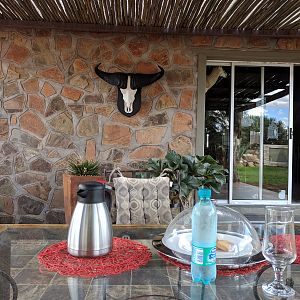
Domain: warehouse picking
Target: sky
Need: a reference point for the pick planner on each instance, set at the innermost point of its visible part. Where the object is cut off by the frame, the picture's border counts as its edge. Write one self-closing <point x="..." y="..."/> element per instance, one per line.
<point x="278" y="109"/>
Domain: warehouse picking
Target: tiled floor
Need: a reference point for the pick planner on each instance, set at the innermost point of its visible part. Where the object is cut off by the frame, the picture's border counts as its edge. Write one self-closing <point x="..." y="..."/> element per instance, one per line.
<point x="156" y="280"/>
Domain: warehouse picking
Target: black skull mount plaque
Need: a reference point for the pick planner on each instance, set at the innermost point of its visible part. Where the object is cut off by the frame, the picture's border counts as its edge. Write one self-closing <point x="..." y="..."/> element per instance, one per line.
<point x="129" y="88"/>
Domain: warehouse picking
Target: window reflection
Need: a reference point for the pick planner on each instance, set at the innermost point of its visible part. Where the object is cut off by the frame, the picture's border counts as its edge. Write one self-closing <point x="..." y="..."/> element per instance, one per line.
<point x="217" y="118"/>
<point x="246" y="144"/>
<point x="276" y="120"/>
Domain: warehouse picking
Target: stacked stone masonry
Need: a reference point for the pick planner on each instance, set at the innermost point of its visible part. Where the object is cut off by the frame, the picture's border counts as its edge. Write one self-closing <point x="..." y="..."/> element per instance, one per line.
<point x="54" y="108"/>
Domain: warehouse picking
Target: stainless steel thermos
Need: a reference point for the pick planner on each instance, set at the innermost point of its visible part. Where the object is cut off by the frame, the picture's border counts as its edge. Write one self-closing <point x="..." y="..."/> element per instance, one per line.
<point x="90" y="231"/>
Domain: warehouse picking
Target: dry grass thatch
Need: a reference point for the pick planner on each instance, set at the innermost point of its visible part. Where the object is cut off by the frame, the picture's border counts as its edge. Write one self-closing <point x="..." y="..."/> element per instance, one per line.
<point x="264" y="17"/>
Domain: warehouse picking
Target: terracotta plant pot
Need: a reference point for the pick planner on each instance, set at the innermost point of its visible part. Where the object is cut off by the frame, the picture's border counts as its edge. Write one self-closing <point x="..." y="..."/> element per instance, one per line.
<point x="70" y="184"/>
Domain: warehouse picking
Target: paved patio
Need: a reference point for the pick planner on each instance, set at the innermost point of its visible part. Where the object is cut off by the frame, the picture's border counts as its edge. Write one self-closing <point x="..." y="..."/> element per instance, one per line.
<point x="244" y="191"/>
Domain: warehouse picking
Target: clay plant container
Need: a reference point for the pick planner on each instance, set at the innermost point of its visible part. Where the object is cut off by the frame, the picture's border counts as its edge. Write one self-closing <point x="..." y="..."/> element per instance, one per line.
<point x="78" y="172"/>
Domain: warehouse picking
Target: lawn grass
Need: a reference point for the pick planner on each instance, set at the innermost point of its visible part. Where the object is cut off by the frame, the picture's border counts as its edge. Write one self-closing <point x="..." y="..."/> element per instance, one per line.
<point x="274" y="178"/>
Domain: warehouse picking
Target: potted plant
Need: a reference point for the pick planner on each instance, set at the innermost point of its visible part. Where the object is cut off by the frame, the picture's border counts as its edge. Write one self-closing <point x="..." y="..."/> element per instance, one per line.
<point x="78" y="171"/>
<point x="188" y="173"/>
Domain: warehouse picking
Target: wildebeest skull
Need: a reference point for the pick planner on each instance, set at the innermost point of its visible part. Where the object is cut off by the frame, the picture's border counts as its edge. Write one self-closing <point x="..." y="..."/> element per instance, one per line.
<point x="129" y="88"/>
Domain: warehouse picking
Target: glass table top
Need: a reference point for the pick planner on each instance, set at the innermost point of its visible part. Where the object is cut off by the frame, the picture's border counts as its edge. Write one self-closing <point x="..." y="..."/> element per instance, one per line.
<point x="20" y="244"/>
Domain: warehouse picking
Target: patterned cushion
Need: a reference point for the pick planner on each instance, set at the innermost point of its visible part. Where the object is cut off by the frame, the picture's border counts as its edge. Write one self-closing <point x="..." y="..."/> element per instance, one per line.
<point x="142" y="201"/>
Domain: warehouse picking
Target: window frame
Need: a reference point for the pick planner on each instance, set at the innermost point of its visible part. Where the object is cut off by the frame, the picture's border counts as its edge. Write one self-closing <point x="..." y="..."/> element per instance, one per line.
<point x="263" y="61"/>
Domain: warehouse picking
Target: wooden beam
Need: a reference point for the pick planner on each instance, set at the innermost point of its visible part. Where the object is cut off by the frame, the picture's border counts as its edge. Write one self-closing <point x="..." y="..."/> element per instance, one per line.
<point x="258" y="56"/>
<point x="146" y="29"/>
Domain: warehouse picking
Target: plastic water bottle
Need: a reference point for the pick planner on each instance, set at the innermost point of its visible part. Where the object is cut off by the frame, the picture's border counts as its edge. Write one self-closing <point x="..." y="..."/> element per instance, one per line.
<point x="204" y="239"/>
<point x="205" y="292"/>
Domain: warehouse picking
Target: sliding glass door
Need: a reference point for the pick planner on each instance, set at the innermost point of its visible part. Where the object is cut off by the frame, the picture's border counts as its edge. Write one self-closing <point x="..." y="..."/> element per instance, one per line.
<point x="217" y="118"/>
<point x="248" y="130"/>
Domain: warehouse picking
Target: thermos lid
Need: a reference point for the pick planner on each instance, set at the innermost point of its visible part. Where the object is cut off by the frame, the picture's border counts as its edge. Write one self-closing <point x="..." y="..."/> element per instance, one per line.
<point x="91" y="185"/>
<point x="91" y="192"/>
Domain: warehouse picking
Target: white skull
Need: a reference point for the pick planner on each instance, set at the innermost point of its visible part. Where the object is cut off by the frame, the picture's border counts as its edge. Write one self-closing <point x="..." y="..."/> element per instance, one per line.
<point x="128" y="96"/>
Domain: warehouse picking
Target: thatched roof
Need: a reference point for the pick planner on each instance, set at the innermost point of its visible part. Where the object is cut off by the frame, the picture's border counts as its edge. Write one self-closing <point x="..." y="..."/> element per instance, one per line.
<point x="214" y="17"/>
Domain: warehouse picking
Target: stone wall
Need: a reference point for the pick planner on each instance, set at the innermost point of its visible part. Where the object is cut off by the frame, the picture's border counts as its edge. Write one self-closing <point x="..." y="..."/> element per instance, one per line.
<point x="54" y="107"/>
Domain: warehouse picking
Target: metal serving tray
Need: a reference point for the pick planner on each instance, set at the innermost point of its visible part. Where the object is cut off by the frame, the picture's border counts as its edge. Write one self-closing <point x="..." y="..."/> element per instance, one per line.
<point x="231" y="263"/>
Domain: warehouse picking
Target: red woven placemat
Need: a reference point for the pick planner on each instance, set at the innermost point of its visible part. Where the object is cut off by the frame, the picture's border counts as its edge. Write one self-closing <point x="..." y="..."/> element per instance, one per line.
<point x="126" y="255"/>
<point x="239" y="271"/>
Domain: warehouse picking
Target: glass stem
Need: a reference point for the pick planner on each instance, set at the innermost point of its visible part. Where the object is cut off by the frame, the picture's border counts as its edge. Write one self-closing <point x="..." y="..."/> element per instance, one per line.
<point x="278" y="270"/>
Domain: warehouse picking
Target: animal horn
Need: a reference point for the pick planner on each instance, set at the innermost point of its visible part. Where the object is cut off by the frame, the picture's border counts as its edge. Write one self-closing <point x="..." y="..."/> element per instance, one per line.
<point x="111" y="78"/>
<point x="141" y="80"/>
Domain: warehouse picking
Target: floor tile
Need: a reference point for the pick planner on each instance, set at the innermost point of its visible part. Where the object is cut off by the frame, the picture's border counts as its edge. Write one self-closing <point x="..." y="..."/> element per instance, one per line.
<point x="27" y="248"/>
<point x="96" y="292"/>
<point x="154" y="264"/>
<point x="33" y="276"/>
<point x="32" y="292"/>
<point x="64" y="292"/>
<point x="150" y="277"/>
<point x="19" y="261"/>
<point x="147" y="291"/>
<point x="15" y="271"/>
<point x="196" y="291"/>
<point x="225" y="281"/>
<point x="121" y="279"/>
<point x="179" y="275"/>
<point x="68" y="280"/>
<point x="241" y="292"/>
<point x="117" y="292"/>
<point x="33" y="263"/>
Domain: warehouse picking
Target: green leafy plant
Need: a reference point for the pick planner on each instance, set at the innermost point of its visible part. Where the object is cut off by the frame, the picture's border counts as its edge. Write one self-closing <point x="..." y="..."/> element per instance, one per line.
<point x="189" y="172"/>
<point x="84" y="168"/>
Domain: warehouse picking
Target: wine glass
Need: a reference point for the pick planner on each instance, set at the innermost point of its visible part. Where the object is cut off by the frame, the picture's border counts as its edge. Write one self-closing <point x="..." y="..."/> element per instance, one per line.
<point x="279" y="247"/>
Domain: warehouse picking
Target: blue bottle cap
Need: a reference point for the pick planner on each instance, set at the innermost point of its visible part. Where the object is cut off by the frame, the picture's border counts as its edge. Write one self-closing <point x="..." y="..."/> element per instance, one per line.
<point x="204" y="193"/>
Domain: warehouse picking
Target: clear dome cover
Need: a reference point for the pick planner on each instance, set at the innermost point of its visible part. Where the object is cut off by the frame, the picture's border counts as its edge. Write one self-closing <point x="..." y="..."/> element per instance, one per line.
<point x="237" y="240"/>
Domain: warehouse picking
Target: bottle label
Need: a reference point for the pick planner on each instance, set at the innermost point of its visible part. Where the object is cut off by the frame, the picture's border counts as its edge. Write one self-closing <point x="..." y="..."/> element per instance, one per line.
<point x="204" y="256"/>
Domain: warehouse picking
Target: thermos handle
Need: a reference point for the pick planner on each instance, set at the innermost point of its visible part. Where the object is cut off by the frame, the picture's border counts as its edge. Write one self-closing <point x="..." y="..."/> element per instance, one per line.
<point x="107" y="196"/>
